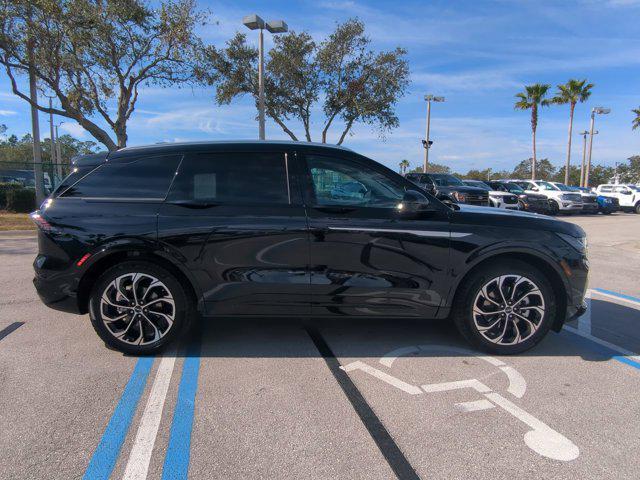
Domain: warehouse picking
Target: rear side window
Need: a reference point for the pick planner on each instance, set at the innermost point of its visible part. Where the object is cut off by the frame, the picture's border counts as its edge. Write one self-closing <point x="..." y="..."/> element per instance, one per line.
<point x="232" y="178"/>
<point x="142" y="178"/>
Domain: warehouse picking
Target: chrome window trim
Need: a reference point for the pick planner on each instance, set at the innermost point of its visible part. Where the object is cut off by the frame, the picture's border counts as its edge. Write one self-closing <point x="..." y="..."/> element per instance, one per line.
<point x="419" y="233"/>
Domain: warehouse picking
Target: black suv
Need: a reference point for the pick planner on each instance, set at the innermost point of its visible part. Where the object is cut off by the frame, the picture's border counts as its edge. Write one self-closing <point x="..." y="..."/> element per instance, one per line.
<point x="146" y="238"/>
<point x="449" y="188"/>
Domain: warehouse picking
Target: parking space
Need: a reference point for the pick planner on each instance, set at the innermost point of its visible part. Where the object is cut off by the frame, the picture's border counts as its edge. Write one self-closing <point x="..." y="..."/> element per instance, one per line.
<point x="334" y="399"/>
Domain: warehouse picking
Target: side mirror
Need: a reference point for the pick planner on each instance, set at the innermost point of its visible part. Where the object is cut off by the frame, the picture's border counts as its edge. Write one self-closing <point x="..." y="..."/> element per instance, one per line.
<point x="413" y="202"/>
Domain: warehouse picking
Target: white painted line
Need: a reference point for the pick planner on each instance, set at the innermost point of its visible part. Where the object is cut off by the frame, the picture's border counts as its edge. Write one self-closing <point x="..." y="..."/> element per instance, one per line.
<point x="627" y="353"/>
<point x="584" y="321"/>
<point x="388" y="359"/>
<point x="474" y="406"/>
<point x="443" y="387"/>
<point x="380" y="375"/>
<point x="140" y="456"/>
<point x="517" y="383"/>
<point x="541" y="438"/>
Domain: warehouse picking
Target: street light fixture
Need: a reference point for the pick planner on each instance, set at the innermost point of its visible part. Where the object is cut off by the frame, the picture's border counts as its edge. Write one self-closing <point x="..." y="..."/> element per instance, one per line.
<point x="584" y="134"/>
<point x="427" y="143"/>
<point x="254" y="22"/>
<point x="594" y="111"/>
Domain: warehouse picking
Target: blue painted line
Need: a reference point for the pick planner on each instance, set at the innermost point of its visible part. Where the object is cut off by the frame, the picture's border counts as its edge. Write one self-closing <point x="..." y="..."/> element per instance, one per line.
<point x="176" y="462"/>
<point x="619" y="295"/>
<point x="601" y="349"/>
<point x="106" y="454"/>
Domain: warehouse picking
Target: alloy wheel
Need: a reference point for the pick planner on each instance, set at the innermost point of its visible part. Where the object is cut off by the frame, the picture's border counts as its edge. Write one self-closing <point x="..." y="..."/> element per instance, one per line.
<point x="508" y="309"/>
<point x="137" y="308"/>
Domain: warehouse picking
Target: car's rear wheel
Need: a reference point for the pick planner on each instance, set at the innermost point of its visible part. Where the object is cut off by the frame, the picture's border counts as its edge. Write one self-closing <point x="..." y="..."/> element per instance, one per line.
<point x="139" y="307"/>
<point x="505" y="308"/>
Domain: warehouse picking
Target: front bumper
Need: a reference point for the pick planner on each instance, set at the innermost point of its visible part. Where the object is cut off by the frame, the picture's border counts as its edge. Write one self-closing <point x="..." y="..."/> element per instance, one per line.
<point x="569" y="206"/>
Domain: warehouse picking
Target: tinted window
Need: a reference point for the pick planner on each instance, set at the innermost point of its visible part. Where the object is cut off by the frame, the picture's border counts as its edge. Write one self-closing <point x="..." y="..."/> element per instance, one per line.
<point x="446" y="180"/>
<point x="76" y="174"/>
<point x="342" y="182"/>
<point x="136" y="178"/>
<point x="606" y="189"/>
<point x="232" y="178"/>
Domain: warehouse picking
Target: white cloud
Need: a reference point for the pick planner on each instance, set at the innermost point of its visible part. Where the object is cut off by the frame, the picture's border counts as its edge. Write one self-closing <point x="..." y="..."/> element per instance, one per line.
<point x="74" y="129"/>
<point x="6" y="113"/>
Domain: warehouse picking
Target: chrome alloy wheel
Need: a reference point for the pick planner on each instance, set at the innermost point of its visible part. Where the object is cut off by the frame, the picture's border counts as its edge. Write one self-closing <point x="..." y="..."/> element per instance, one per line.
<point x="137" y="308"/>
<point x="508" y="309"/>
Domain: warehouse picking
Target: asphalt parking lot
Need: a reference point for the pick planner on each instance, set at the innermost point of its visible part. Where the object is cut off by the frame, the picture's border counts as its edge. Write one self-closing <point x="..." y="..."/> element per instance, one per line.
<point x="340" y="399"/>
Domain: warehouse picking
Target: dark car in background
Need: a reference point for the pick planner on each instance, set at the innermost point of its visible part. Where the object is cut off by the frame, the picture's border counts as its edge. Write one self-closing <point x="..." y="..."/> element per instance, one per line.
<point x="497" y="198"/>
<point x="151" y="236"/>
<point x="449" y="188"/>
<point x="529" y="202"/>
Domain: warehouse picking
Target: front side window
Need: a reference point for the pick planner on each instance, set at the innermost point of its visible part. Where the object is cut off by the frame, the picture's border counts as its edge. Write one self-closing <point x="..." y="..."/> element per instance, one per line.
<point x="137" y="178"/>
<point x="232" y="179"/>
<point x="342" y="182"/>
<point x="547" y="186"/>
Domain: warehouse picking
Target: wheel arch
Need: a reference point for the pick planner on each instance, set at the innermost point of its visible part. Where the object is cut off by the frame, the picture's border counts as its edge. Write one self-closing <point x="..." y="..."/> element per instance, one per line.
<point x="108" y="259"/>
<point x="545" y="265"/>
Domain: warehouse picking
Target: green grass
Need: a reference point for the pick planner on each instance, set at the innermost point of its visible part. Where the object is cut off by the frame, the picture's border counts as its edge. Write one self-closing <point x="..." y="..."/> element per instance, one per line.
<point x="15" y="221"/>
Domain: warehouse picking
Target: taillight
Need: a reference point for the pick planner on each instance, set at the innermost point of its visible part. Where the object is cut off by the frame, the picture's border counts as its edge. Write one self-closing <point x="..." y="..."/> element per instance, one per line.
<point x="40" y="221"/>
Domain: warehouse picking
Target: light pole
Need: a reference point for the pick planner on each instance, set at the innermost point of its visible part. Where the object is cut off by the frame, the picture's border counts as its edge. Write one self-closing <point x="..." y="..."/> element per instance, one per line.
<point x="254" y="22"/>
<point x="54" y="152"/>
<point x="58" y="152"/>
<point x="426" y="143"/>
<point x="584" y="154"/>
<point x="599" y="111"/>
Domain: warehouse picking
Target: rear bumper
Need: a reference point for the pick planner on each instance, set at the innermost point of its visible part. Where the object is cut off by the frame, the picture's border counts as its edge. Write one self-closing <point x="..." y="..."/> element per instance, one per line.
<point x="56" y="290"/>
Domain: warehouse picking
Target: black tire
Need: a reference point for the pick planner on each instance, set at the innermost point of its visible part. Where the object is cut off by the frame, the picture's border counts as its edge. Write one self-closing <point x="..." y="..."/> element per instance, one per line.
<point x="182" y="310"/>
<point x="554" y="208"/>
<point x="462" y="312"/>
<point x="637" y="208"/>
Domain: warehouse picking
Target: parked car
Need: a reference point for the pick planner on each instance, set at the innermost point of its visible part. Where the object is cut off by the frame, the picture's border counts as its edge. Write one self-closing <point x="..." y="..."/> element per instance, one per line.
<point x="153" y="235"/>
<point x="26" y="178"/>
<point x="606" y="204"/>
<point x="497" y="198"/>
<point x="447" y="187"/>
<point x="559" y="201"/>
<point x="589" y="199"/>
<point x="628" y="195"/>
<point x="531" y="202"/>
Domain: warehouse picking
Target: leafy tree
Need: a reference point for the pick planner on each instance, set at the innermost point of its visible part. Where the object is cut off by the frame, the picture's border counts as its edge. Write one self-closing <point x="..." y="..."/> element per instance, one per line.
<point x="475" y="174"/>
<point x="531" y="99"/>
<point x="348" y="80"/>
<point x="545" y="169"/>
<point x="630" y="172"/>
<point x="574" y="175"/>
<point x="432" y="168"/>
<point x="571" y="93"/>
<point x="89" y="53"/>
<point x="404" y="164"/>
<point x="600" y="174"/>
<point x="3" y="128"/>
<point x="18" y="153"/>
<point x="636" y="121"/>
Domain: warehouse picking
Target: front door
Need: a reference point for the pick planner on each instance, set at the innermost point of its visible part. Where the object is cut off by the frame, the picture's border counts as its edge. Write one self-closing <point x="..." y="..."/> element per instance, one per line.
<point x="367" y="259"/>
<point x="237" y="223"/>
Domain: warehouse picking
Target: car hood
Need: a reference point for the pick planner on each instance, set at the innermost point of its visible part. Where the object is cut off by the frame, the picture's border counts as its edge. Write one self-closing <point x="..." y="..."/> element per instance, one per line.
<point x="498" y="217"/>
<point x="462" y="189"/>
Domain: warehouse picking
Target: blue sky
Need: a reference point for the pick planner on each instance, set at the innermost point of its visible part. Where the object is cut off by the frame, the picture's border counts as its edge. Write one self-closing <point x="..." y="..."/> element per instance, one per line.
<point x="476" y="53"/>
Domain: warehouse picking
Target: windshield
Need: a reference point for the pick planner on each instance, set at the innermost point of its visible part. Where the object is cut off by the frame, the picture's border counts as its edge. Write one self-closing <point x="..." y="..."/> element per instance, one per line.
<point x="563" y="187"/>
<point x="478" y="183"/>
<point x="445" y="180"/>
<point x="513" y="188"/>
<point x="547" y="186"/>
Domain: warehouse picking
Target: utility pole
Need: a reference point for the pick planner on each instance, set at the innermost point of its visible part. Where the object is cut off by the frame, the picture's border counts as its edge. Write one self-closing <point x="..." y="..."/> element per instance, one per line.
<point x="54" y="151"/>
<point x="35" y="127"/>
<point x="584" y="154"/>
<point x="254" y="22"/>
<point x="58" y="151"/>
<point x="427" y="144"/>
<point x="594" y="111"/>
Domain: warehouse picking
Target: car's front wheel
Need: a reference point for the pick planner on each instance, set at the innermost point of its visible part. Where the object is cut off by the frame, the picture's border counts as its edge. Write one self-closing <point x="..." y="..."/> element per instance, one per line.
<point x="505" y="308"/>
<point x="138" y="307"/>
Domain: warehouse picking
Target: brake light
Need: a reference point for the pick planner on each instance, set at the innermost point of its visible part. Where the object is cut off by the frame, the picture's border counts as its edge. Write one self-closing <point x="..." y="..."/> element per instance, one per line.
<point x="41" y="222"/>
<point x="83" y="259"/>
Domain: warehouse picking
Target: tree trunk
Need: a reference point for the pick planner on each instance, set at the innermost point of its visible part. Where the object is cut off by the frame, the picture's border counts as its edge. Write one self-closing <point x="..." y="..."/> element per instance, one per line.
<point x="566" y="168"/>
<point x="533" y="160"/>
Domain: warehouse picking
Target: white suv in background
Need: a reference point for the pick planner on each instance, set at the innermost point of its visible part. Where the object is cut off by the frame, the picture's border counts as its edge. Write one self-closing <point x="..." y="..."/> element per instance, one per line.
<point x="627" y="195"/>
<point x="559" y="201"/>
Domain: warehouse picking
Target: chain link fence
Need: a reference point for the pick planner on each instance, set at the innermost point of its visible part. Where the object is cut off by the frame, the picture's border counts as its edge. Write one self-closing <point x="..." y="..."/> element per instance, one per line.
<point x="18" y="183"/>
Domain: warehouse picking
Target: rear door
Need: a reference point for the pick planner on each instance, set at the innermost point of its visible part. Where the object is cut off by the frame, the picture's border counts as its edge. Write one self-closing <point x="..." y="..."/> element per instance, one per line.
<point x="366" y="259"/>
<point x="236" y="221"/>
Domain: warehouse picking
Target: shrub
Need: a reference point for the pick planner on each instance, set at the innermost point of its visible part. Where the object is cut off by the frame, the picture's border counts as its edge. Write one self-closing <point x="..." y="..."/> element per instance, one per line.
<point x="4" y="188"/>
<point x="21" y="200"/>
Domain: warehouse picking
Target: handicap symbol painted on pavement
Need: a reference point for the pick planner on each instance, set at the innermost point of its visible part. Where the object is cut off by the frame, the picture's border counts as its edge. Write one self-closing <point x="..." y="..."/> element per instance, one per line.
<point x="541" y="438"/>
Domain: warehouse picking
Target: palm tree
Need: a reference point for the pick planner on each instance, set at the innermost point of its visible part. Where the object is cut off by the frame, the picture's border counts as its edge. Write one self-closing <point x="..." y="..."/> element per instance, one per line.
<point x="636" y="121"/>
<point x="531" y="98"/>
<point x="572" y="92"/>
<point x="404" y="164"/>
